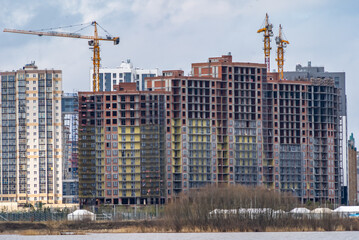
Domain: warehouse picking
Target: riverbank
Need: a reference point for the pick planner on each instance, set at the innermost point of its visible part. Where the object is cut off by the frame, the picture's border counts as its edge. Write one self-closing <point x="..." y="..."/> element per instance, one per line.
<point x="78" y="227"/>
<point x="161" y="226"/>
<point x="74" y="227"/>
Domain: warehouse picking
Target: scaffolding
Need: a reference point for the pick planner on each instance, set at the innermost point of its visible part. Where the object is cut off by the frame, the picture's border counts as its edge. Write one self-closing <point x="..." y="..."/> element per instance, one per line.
<point x="152" y="151"/>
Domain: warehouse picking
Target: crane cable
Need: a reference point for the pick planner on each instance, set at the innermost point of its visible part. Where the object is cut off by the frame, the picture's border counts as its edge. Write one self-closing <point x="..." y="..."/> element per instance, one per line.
<point x="68" y="26"/>
<point x="86" y="25"/>
<point x="104" y="30"/>
<point x="82" y="28"/>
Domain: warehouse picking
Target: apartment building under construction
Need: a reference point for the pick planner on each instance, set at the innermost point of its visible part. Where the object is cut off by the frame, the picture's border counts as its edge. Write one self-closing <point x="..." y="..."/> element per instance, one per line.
<point x="121" y="146"/>
<point x="212" y="125"/>
<point x="303" y="137"/>
<point x="191" y="139"/>
<point x="228" y="123"/>
<point x="232" y="123"/>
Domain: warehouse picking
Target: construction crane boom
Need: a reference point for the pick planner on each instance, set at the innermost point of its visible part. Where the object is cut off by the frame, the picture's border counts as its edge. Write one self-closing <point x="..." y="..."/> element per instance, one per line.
<point x="94" y="43"/>
<point x="60" y="34"/>
<point x="281" y="44"/>
<point x="267" y="33"/>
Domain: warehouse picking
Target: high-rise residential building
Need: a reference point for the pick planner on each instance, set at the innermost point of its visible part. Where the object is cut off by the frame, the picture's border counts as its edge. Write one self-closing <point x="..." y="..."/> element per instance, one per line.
<point x="70" y="117"/>
<point x="121" y="146"/>
<point x="125" y="73"/>
<point x="352" y="173"/>
<point x="231" y="123"/>
<point x="212" y="124"/>
<point x="194" y="151"/>
<point x="237" y="111"/>
<point x="31" y="135"/>
<point x="228" y="123"/>
<point x="303" y="136"/>
<point x="309" y="71"/>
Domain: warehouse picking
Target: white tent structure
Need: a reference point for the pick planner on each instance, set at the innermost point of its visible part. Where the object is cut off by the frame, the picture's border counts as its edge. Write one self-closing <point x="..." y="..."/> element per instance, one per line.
<point x="322" y="210"/>
<point x="347" y="209"/>
<point x="300" y="210"/>
<point x="250" y="212"/>
<point x="80" y="215"/>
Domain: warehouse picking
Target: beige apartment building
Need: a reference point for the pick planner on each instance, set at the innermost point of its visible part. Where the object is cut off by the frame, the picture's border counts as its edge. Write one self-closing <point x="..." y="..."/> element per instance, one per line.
<point x="31" y="136"/>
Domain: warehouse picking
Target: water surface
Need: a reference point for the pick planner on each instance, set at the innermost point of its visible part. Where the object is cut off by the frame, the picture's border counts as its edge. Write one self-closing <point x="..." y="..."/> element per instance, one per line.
<point x="197" y="236"/>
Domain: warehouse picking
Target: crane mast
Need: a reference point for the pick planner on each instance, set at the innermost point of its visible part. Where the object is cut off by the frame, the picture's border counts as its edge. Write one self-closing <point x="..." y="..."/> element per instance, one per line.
<point x="281" y="44"/>
<point x="94" y="42"/>
<point x="267" y="33"/>
<point x="96" y="61"/>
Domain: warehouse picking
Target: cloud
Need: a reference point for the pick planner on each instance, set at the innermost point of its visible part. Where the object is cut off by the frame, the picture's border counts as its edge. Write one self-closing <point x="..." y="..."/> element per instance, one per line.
<point x="16" y="14"/>
<point x="171" y="34"/>
<point x="91" y="10"/>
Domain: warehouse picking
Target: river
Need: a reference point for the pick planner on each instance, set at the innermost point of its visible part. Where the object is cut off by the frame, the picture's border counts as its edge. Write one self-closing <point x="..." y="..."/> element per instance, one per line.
<point x="197" y="236"/>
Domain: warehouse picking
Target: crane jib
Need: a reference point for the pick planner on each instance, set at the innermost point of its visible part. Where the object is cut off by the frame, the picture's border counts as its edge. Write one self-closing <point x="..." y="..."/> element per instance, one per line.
<point x="94" y="41"/>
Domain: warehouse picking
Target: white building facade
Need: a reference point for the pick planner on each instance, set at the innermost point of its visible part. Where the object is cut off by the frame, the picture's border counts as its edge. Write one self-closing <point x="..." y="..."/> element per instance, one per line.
<point x="124" y="73"/>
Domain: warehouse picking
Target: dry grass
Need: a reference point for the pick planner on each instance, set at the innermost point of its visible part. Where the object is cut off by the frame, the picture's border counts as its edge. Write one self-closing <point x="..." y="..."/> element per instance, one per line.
<point x="190" y="213"/>
<point x="297" y="225"/>
<point x="31" y="232"/>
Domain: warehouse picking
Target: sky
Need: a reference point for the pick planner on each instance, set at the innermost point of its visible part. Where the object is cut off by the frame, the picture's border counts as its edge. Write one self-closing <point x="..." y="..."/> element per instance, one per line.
<point x="172" y="34"/>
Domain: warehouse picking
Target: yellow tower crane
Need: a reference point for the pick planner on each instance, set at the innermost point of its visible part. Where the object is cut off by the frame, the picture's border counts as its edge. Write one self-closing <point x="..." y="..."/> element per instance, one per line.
<point x="94" y="43"/>
<point x="281" y="44"/>
<point x="267" y="33"/>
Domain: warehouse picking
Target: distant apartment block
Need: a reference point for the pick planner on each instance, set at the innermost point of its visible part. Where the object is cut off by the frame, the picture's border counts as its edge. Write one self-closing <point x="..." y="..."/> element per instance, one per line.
<point x="357" y="175"/>
<point x="352" y="173"/>
<point x="121" y="146"/>
<point x="125" y="73"/>
<point x="70" y="117"/>
<point x="31" y="135"/>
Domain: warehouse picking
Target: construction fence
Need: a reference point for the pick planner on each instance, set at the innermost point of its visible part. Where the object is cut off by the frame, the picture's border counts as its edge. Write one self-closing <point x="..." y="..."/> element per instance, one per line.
<point x="103" y="213"/>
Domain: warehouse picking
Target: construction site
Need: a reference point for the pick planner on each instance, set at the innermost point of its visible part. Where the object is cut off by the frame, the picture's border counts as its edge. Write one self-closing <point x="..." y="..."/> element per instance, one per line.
<point x="121" y="146"/>
<point x="227" y="123"/>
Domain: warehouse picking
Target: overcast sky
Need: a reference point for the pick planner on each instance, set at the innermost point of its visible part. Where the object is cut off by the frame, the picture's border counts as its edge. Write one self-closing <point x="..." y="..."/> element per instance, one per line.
<point x="171" y="34"/>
